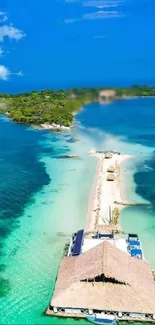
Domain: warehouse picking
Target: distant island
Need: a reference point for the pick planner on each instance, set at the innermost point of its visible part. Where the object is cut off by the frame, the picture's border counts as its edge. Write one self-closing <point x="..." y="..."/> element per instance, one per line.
<point x="55" y="109"/>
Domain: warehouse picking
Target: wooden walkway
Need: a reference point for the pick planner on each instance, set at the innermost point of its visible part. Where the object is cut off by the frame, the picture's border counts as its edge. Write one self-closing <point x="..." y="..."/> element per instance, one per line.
<point x="128" y="203"/>
<point x="84" y="316"/>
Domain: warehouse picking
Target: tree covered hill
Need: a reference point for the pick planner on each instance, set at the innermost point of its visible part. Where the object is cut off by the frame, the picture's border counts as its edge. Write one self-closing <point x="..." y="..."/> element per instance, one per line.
<point x="41" y="107"/>
<point x="50" y="106"/>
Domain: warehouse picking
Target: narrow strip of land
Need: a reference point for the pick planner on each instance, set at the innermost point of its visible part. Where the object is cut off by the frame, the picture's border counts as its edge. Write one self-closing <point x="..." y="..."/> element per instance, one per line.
<point x="105" y="199"/>
<point x="98" y="279"/>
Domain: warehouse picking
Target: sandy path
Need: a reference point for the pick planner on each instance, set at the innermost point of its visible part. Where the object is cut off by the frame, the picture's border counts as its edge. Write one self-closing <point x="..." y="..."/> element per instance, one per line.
<point x="104" y="193"/>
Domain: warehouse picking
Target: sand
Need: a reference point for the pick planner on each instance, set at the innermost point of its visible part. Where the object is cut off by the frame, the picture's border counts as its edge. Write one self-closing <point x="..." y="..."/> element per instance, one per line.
<point x="104" y="193"/>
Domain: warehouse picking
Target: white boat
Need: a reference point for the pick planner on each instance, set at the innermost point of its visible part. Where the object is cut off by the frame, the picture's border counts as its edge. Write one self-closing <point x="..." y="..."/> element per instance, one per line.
<point x="102" y="319"/>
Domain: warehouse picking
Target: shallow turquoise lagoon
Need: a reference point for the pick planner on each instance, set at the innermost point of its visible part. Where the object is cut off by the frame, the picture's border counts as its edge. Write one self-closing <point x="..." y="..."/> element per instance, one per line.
<point x="44" y="198"/>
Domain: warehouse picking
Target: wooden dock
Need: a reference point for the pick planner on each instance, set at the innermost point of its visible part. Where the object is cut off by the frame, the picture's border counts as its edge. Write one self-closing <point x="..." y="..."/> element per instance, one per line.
<point x="128" y="203"/>
<point x="49" y="312"/>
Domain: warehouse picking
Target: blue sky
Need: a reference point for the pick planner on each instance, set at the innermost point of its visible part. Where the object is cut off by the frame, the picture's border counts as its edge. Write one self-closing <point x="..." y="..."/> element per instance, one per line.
<point x="69" y="43"/>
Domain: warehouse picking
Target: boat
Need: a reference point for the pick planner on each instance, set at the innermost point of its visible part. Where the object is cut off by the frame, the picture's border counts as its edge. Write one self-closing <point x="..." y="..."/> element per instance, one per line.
<point x="102" y="319"/>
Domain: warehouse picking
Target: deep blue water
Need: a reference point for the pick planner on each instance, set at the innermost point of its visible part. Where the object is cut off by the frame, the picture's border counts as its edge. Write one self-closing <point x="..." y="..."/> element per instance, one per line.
<point x="127" y="125"/>
<point x="145" y="180"/>
<point x="22" y="174"/>
<point x="20" y="171"/>
<point x="134" y="119"/>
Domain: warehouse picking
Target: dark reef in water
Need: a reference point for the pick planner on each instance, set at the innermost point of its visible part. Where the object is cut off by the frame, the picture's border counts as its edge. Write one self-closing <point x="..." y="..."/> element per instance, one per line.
<point x="72" y="140"/>
<point x="22" y="174"/>
<point x="145" y="180"/>
<point x="66" y="157"/>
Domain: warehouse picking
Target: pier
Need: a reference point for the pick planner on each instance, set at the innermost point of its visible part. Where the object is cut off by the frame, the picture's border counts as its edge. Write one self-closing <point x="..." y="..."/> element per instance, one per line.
<point x="128" y="203"/>
<point x="104" y="273"/>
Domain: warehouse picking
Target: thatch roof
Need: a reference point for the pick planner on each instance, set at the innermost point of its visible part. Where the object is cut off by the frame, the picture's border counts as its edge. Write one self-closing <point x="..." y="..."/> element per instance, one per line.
<point x="134" y="290"/>
<point x="111" y="169"/>
<point x="108" y="155"/>
<point x="107" y="93"/>
<point x="110" y="177"/>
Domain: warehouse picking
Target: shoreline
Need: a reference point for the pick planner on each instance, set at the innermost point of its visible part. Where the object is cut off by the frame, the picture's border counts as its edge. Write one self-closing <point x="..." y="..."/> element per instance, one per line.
<point x="58" y="127"/>
<point x="122" y="178"/>
<point x="54" y="127"/>
<point x="93" y="202"/>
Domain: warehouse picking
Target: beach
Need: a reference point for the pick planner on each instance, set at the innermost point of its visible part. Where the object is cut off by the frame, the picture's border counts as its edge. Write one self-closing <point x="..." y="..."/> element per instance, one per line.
<point x="48" y="195"/>
<point x="106" y="193"/>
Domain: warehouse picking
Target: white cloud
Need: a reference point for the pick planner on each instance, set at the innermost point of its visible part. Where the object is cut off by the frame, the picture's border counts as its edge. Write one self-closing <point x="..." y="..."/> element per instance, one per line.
<point x="101" y="3"/>
<point x="10" y="32"/>
<point x="4" y="72"/>
<point x="2" y="13"/>
<point x="71" y="20"/>
<point x="20" y="74"/>
<point x="3" y="19"/>
<point x="97" y="3"/>
<point x="106" y="9"/>
<point x="102" y="14"/>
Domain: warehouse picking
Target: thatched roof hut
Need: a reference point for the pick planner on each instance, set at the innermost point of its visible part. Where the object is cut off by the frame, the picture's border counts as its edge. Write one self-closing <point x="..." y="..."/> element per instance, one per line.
<point x="120" y="282"/>
<point x="107" y="93"/>
<point x="111" y="177"/>
<point x="108" y="155"/>
<point x="111" y="169"/>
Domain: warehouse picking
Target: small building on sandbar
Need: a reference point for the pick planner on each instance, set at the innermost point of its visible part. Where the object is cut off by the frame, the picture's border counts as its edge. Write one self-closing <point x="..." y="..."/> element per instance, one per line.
<point x="107" y="94"/>
<point x="111" y="177"/>
<point x="104" y="280"/>
<point x="111" y="169"/>
<point x="108" y="155"/>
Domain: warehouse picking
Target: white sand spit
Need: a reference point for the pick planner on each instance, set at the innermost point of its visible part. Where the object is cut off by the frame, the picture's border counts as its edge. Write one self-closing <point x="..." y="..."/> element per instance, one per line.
<point x="104" y="192"/>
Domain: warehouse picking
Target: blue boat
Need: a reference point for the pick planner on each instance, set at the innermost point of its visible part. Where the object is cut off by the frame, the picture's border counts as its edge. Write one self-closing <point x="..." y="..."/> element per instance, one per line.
<point x="136" y="253"/>
<point x="102" y="319"/>
<point x="134" y="242"/>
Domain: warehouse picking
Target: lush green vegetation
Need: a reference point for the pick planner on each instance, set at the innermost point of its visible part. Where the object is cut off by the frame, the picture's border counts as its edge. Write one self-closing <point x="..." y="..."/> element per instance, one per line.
<point x="136" y="91"/>
<point x="40" y="107"/>
<point x="131" y="91"/>
<point x="57" y="106"/>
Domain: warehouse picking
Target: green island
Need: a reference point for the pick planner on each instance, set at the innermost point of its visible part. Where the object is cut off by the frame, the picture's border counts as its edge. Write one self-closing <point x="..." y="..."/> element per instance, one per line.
<point x="59" y="106"/>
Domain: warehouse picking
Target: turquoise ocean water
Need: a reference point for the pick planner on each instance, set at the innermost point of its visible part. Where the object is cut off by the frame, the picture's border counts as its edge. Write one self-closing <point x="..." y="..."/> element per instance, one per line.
<point x="43" y="198"/>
